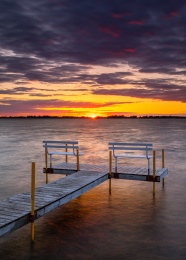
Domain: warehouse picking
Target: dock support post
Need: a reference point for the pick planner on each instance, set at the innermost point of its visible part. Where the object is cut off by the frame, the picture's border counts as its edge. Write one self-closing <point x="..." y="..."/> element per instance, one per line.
<point x="66" y="156"/>
<point x="154" y="171"/>
<point x="32" y="200"/>
<point x="46" y="163"/>
<point x="110" y="170"/>
<point x="163" y="164"/>
<point x="77" y="153"/>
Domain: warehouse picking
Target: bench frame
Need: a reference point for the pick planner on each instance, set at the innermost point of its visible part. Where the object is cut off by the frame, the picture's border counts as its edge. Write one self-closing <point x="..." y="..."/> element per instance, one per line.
<point x="69" y="148"/>
<point x="129" y="151"/>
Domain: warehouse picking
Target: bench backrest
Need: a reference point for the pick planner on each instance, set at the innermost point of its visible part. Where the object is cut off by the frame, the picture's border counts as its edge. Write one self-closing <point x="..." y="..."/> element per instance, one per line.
<point x="130" y="146"/>
<point x="61" y="144"/>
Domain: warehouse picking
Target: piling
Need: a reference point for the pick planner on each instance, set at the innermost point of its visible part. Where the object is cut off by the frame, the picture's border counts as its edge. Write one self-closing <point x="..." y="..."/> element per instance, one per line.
<point x="46" y="163"/>
<point x="163" y="164"/>
<point x="110" y="170"/>
<point x="32" y="200"/>
<point x="154" y="171"/>
<point x="66" y="156"/>
<point x="77" y="153"/>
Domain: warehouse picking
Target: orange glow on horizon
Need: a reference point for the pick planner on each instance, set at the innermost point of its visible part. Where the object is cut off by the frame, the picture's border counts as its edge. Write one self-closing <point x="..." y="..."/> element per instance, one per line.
<point x="84" y="104"/>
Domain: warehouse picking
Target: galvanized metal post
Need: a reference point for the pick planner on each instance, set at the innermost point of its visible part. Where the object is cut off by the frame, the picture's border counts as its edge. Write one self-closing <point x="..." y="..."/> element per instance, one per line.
<point x="66" y="157"/>
<point x="32" y="200"/>
<point x="77" y="153"/>
<point x="163" y="164"/>
<point x="110" y="170"/>
<point x="46" y="163"/>
<point x="154" y="171"/>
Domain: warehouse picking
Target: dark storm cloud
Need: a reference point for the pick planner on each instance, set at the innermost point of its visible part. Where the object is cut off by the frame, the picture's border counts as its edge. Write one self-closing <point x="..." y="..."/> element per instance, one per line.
<point x="38" y="39"/>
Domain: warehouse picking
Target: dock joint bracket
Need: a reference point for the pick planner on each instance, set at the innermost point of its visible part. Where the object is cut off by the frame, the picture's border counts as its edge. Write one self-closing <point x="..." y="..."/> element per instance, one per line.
<point x="31" y="218"/>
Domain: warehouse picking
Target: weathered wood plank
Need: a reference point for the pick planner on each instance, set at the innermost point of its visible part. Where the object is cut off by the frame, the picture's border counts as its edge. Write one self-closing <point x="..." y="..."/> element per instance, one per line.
<point x="160" y="174"/>
<point x="47" y="198"/>
<point x="15" y="211"/>
<point x="131" y="173"/>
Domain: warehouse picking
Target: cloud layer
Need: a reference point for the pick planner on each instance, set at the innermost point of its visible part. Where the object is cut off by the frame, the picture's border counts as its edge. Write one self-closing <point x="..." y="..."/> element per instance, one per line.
<point x="61" y="42"/>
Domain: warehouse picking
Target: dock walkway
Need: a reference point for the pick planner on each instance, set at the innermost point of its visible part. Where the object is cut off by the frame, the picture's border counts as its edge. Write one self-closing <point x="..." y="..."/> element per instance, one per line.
<point x="123" y="172"/>
<point x="15" y="211"/>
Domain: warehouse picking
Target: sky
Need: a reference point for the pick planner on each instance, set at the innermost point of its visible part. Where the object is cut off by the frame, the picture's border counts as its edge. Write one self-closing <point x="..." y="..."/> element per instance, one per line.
<point x="92" y="57"/>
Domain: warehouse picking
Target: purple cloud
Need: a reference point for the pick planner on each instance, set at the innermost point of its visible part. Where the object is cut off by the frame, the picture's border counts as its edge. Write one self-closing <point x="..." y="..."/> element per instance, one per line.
<point x="59" y="42"/>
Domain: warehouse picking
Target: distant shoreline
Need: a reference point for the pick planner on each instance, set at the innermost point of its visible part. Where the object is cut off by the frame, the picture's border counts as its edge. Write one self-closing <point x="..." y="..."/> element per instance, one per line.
<point x="84" y="117"/>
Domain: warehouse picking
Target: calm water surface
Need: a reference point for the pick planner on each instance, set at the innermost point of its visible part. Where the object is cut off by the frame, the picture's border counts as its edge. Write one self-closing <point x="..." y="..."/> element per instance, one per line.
<point x="129" y="223"/>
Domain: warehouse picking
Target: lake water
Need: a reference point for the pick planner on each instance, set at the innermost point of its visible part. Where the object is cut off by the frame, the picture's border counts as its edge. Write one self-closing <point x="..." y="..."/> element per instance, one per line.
<point x="126" y="224"/>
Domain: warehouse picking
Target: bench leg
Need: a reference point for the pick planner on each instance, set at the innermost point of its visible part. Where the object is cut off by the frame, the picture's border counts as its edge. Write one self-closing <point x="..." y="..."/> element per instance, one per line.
<point x="50" y="160"/>
<point x="116" y="165"/>
<point x="148" y="166"/>
<point x="148" y="169"/>
<point x="116" y="175"/>
<point x="77" y="155"/>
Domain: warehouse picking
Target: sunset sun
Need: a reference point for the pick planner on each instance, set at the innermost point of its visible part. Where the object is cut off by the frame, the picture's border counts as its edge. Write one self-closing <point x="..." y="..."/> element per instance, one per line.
<point x="93" y="116"/>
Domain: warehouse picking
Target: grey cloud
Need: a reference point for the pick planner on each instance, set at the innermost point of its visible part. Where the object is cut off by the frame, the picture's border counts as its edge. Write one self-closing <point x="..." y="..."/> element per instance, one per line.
<point x="28" y="106"/>
<point x="170" y="71"/>
<point x="45" y="35"/>
<point x="160" y="91"/>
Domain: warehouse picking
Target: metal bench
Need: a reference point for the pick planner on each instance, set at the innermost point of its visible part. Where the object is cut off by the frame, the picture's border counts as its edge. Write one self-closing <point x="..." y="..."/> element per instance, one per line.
<point x="66" y="148"/>
<point x="131" y="150"/>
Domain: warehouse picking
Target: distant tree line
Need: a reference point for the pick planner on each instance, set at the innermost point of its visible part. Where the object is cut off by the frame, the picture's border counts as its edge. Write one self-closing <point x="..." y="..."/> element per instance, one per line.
<point x="99" y="117"/>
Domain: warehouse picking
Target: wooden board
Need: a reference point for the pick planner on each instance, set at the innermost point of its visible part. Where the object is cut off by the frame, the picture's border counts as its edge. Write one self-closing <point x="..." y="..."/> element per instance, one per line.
<point x="15" y="211"/>
<point x="123" y="172"/>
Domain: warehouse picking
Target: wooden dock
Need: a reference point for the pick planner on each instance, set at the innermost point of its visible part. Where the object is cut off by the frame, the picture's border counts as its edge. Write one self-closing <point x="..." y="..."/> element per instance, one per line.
<point x="123" y="172"/>
<point x="15" y="211"/>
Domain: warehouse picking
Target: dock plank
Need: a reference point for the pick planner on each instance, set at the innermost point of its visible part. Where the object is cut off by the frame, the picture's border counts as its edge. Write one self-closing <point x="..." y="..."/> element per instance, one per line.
<point x="123" y="172"/>
<point x="15" y="211"/>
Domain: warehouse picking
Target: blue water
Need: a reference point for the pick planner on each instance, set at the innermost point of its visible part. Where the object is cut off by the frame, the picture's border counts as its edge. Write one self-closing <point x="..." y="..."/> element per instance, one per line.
<point x="129" y="223"/>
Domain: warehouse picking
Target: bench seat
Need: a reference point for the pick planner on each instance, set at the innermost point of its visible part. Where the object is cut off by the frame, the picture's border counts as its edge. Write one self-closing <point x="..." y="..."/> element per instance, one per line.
<point x="66" y="148"/>
<point x="129" y="155"/>
<point x="130" y="150"/>
<point x="63" y="153"/>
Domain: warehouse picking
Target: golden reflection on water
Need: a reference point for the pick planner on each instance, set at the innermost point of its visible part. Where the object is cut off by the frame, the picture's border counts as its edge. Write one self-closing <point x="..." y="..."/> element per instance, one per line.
<point x="128" y="224"/>
<point x="97" y="224"/>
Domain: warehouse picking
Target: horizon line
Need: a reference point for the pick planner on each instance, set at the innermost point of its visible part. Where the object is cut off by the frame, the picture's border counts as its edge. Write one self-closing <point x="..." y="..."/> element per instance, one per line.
<point x="97" y="117"/>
